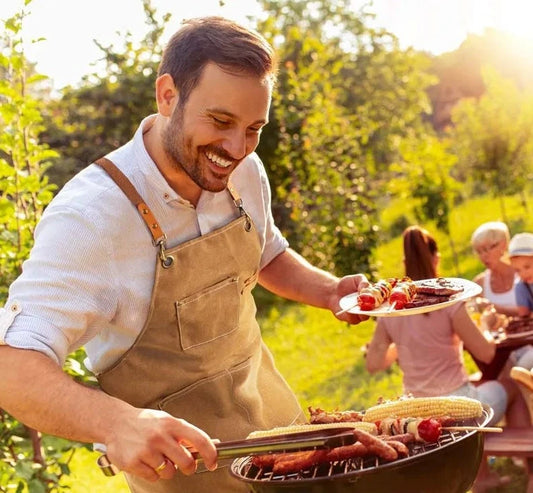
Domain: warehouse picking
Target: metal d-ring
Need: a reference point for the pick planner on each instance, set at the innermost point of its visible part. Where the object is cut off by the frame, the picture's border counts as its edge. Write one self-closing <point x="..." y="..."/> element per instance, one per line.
<point x="248" y="223"/>
<point x="242" y="212"/>
<point x="166" y="260"/>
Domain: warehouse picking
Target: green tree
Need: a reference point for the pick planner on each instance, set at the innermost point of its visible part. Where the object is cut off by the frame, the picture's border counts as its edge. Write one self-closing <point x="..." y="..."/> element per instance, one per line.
<point x="460" y="74"/>
<point x="493" y="138"/>
<point x="24" y="187"/>
<point x="104" y="111"/>
<point x="428" y="163"/>
<point x="346" y="95"/>
<point x="28" y="461"/>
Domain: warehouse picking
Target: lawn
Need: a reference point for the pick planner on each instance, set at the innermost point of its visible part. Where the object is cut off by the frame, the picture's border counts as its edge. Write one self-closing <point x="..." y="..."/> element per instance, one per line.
<point x="322" y="357"/>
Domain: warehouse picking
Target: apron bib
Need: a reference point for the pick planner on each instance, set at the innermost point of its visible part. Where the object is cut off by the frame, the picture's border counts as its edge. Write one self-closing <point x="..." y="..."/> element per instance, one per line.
<point x="200" y="355"/>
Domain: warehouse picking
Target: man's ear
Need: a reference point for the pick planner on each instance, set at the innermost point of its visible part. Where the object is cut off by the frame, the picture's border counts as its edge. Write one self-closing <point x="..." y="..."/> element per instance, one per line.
<point x="166" y="94"/>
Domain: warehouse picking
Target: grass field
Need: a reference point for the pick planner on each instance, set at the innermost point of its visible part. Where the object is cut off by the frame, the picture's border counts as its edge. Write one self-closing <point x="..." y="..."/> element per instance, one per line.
<point x="322" y="358"/>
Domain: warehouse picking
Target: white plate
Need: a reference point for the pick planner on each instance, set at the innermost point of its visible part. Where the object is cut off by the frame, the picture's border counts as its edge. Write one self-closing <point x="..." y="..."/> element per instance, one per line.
<point x="470" y="289"/>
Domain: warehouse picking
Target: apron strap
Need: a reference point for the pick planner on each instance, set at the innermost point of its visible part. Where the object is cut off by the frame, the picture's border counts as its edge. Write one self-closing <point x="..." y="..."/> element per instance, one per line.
<point x="123" y="182"/>
<point x="158" y="236"/>
<point x="238" y="203"/>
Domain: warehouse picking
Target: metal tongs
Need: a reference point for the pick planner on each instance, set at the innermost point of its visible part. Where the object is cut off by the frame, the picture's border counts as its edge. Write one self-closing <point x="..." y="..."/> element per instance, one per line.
<point x="290" y="442"/>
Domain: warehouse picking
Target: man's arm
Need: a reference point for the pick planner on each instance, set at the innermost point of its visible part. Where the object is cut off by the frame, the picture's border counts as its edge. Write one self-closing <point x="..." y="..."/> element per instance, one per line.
<point x="291" y="276"/>
<point x="38" y="393"/>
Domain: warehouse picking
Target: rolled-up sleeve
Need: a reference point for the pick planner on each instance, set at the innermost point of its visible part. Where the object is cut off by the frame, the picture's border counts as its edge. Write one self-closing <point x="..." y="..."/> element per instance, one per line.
<point x="65" y="291"/>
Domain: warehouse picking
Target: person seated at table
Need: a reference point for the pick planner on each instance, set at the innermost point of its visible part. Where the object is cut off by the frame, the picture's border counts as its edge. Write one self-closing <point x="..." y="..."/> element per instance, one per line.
<point x="428" y="348"/>
<point x="521" y="258"/>
<point x="490" y="241"/>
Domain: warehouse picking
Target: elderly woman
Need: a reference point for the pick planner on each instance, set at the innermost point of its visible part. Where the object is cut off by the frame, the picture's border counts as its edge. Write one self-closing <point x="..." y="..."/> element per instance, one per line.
<point x="490" y="241"/>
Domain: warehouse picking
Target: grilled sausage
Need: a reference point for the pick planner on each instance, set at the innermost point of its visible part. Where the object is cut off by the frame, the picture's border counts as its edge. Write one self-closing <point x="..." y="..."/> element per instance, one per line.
<point x="376" y="446"/>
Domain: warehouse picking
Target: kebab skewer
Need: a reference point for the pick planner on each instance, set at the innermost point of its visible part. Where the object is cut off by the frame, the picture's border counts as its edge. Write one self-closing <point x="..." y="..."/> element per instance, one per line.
<point x="374" y="295"/>
<point x="402" y="293"/>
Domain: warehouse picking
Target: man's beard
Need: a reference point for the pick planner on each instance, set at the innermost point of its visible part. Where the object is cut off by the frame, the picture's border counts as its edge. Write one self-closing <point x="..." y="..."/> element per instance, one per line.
<point x="182" y="155"/>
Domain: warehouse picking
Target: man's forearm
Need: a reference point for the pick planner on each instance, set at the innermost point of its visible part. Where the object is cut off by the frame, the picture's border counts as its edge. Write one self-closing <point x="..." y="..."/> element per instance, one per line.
<point x="289" y="275"/>
<point x="38" y="393"/>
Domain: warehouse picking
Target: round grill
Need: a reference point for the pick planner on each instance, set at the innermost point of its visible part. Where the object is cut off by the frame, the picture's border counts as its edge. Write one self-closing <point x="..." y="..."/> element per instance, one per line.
<point x="448" y="466"/>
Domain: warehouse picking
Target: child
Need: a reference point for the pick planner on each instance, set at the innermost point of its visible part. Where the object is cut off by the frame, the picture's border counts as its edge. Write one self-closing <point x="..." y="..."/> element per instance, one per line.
<point x="521" y="257"/>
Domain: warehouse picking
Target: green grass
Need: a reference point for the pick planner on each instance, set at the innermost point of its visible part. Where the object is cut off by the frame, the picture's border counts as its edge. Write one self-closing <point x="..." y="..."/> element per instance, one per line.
<point x="321" y="358"/>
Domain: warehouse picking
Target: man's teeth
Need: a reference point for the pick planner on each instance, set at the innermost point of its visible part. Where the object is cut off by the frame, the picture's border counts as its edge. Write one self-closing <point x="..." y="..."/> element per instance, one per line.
<point x="223" y="163"/>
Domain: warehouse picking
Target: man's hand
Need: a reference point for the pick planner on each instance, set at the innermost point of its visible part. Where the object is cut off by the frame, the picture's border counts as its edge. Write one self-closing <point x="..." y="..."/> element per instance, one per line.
<point x="138" y="441"/>
<point x="348" y="285"/>
<point x="152" y="444"/>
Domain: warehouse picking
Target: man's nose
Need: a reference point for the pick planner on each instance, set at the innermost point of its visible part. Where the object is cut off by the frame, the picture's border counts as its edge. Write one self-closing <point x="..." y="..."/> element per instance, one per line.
<point x="236" y="144"/>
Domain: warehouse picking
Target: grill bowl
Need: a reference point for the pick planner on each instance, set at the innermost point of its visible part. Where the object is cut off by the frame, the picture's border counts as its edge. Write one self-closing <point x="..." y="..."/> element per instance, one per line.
<point x="449" y="466"/>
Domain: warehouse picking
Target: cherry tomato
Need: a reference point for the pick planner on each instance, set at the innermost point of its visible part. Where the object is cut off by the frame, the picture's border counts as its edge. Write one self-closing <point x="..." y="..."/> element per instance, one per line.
<point x="429" y="430"/>
<point x="399" y="298"/>
<point x="366" y="302"/>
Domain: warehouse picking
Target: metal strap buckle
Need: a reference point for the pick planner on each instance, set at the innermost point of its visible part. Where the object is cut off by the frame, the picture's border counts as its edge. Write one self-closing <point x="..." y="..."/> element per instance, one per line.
<point x="242" y="212"/>
<point x="166" y="260"/>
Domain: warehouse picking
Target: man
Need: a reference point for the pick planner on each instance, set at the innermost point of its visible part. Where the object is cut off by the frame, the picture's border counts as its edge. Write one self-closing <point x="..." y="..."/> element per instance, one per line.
<point x="148" y="259"/>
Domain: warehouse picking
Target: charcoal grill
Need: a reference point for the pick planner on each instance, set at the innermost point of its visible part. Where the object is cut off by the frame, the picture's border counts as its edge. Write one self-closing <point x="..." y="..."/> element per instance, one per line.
<point x="447" y="466"/>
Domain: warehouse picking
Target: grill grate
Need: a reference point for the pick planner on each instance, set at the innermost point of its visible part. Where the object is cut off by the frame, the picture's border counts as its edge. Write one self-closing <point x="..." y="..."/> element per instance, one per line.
<point x="244" y="469"/>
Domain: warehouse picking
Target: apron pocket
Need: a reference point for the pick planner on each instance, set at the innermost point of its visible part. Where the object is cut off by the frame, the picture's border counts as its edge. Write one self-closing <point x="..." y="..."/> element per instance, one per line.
<point x="208" y="314"/>
<point x="212" y="403"/>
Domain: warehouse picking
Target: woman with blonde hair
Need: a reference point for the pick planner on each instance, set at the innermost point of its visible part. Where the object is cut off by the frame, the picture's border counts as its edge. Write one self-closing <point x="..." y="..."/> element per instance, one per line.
<point x="490" y="241"/>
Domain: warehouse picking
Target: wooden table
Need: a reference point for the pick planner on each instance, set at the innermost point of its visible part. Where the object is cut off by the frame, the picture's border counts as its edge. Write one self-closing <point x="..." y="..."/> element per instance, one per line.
<point x="504" y="346"/>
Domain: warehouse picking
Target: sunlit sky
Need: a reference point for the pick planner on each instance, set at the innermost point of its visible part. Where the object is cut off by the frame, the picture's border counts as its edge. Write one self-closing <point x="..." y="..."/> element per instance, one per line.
<point x="70" y="26"/>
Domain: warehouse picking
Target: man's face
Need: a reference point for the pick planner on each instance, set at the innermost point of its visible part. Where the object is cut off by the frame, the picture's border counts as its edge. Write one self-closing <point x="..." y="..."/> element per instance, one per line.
<point x="524" y="267"/>
<point x="217" y="127"/>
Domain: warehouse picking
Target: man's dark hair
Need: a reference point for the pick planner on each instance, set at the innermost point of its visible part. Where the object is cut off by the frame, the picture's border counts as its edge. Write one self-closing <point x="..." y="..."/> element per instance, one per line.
<point x="221" y="41"/>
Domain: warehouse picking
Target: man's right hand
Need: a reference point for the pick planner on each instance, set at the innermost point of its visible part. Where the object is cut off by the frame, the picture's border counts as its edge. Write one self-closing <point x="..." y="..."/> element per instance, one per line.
<point x="153" y="444"/>
<point x="35" y="390"/>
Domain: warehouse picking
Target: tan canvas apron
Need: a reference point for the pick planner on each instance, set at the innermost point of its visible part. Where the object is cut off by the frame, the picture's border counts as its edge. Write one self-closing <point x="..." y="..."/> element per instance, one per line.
<point x="200" y="355"/>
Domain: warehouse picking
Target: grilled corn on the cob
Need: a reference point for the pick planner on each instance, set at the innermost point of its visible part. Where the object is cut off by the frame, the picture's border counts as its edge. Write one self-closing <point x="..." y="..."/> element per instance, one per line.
<point x="426" y="407"/>
<point x="282" y="430"/>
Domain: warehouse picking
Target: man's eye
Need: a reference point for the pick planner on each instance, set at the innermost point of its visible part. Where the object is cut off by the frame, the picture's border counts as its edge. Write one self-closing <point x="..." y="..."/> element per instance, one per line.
<point x="218" y="121"/>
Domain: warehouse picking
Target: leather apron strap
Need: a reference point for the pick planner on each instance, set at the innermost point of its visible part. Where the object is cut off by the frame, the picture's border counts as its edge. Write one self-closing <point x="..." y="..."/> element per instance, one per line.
<point x="129" y="190"/>
<point x="158" y="236"/>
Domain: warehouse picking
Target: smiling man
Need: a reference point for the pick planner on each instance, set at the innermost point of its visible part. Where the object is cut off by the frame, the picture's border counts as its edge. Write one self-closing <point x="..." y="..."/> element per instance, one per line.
<point x="148" y="259"/>
<point x="207" y="135"/>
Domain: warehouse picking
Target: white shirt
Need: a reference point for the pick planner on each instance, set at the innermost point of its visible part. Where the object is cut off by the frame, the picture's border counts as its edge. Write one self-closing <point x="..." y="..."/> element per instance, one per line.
<point x="507" y="298"/>
<point x="89" y="278"/>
